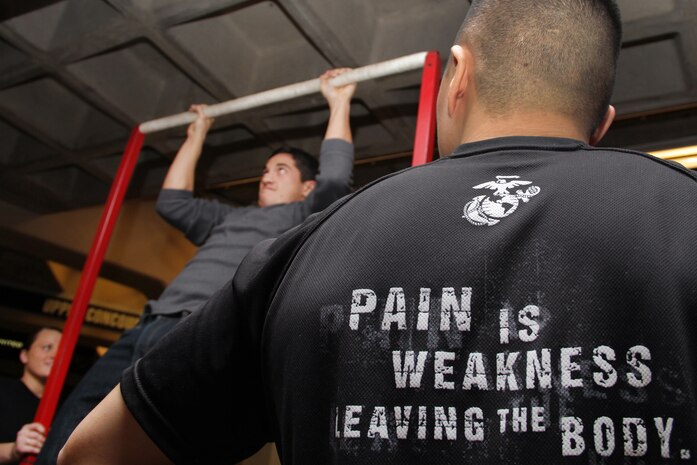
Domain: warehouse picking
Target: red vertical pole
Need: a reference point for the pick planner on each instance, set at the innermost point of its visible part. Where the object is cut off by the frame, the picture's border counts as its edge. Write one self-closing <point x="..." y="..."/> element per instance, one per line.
<point x="426" y="119"/>
<point x="71" y="330"/>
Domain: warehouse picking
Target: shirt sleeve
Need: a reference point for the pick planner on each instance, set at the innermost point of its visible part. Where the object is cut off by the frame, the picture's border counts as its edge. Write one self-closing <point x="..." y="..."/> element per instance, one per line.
<point x="193" y="216"/>
<point x="335" y="175"/>
<point x="199" y="393"/>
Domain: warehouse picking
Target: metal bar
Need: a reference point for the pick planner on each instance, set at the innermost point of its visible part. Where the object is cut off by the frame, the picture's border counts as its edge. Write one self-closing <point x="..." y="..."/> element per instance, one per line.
<point x="71" y="330"/>
<point x="377" y="70"/>
<point x="426" y="118"/>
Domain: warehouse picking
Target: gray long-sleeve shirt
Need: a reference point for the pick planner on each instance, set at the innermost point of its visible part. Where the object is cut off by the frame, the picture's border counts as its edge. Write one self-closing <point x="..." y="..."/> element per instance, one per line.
<point x="225" y="234"/>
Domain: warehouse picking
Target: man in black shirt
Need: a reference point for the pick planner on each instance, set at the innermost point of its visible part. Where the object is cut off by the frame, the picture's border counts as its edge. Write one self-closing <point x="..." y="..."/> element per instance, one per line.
<point x="529" y="299"/>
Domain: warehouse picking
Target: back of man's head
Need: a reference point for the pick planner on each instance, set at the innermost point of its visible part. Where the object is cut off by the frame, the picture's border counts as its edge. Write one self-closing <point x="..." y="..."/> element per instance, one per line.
<point x="544" y="55"/>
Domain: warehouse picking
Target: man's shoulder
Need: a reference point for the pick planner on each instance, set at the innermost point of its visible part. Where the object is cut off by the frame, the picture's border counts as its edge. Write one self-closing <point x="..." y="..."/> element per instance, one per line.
<point x="570" y="157"/>
<point x="615" y="155"/>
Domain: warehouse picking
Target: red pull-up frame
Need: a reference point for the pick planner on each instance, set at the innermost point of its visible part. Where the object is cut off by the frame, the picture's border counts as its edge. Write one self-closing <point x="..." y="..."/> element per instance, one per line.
<point x="426" y="117"/>
<point x="71" y="330"/>
<point x="423" y="153"/>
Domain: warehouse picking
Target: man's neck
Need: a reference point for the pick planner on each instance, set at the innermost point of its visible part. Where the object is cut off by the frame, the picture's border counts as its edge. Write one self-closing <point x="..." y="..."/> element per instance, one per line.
<point x="35" y="385"/>
<point x="522" y="124"/>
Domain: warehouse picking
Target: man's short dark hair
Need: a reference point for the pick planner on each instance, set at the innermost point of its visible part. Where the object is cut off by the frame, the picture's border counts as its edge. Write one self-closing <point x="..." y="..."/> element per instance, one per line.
<point x="31" y="337"/>
<point x="550" y="55"/>
<point x="306" y="163"/>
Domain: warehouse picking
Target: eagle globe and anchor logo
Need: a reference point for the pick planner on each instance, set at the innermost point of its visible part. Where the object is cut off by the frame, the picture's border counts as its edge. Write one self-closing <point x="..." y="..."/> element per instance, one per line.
<point x="484" y="210"/>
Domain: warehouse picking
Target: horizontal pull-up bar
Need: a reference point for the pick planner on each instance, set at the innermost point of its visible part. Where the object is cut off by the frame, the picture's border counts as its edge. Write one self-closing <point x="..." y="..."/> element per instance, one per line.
<point x="280" y="94"/>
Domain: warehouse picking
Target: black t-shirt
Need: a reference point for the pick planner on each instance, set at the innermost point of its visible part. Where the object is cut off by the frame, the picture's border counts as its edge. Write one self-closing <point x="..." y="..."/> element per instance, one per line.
<point x="523" y="301"/>
<point x="17" y="408"/>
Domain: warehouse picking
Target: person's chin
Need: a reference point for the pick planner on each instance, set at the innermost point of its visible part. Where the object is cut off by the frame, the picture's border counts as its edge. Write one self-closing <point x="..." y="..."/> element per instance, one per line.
<point x="267" y="201"/>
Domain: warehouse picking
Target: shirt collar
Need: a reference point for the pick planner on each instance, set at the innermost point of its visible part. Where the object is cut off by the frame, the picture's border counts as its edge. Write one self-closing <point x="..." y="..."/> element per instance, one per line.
<point x="517" y="142"/>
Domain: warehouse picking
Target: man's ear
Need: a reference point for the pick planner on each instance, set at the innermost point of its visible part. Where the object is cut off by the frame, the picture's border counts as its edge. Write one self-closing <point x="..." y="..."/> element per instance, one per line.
<point x="604" y="125"/>
<point x="307" y="187"/>
<point x="460" y="70"/>
<point x="23" y="356"/>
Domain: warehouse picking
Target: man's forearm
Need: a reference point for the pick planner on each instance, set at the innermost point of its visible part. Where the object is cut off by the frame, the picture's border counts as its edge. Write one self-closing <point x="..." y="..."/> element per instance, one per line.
<point x="339" y="100"/>
<point x="181" y="172"/>
<point x="339" y="126"/>
<point x="7" y="452"/>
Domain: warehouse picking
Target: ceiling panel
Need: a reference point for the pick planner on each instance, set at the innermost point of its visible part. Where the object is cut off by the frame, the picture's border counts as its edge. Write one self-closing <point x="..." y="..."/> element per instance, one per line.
<point x="64" y="23"/>
<point x="72" y="185"/>
<point x="650" y="71"/>
<point x="248" y="48"/>
<point x="635" y="10"/>
<point x="11" y="57"/>
<point x="137" y="79"/>
<point x="17" y="148"/>
<point x="53" y="111"/>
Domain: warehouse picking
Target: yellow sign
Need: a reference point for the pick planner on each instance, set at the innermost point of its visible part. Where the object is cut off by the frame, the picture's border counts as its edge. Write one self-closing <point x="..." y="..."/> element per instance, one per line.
<point x="95" y="315"/>
<point x="11" y="343"/>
